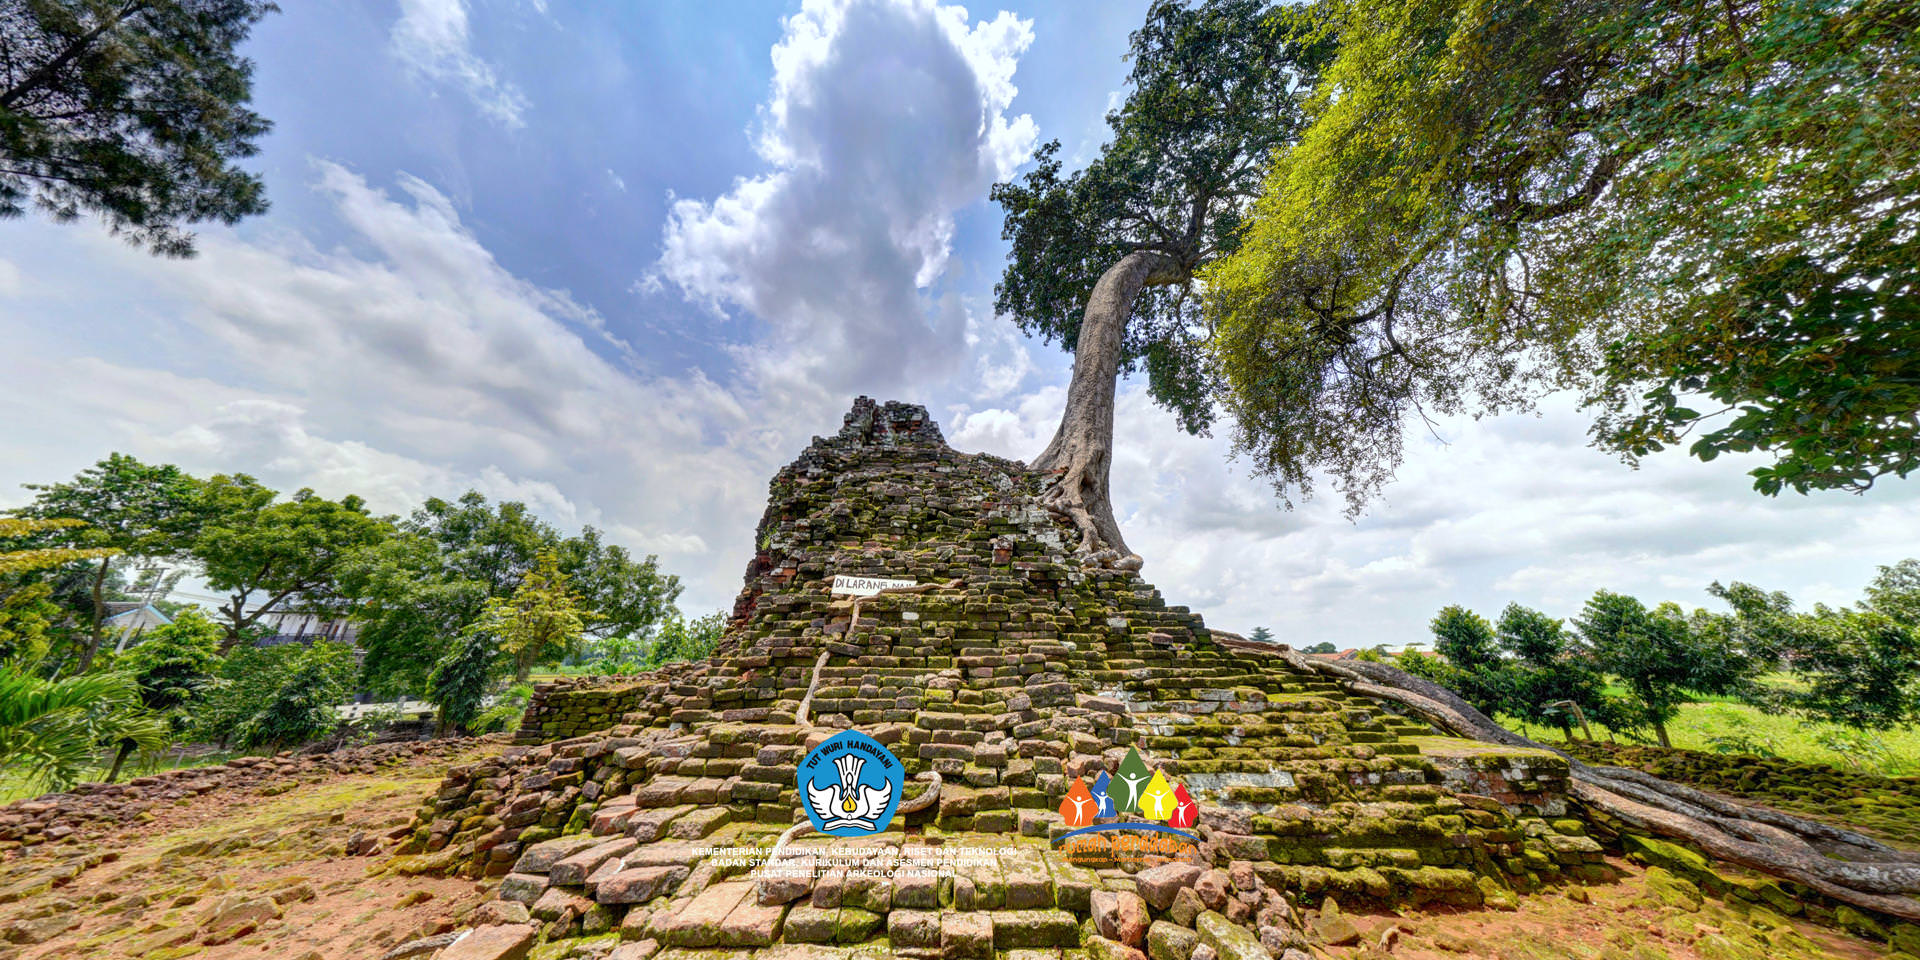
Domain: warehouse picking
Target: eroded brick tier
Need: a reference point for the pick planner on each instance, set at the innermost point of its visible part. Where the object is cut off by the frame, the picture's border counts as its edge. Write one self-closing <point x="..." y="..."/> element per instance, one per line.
<point x="1032" y="670"/>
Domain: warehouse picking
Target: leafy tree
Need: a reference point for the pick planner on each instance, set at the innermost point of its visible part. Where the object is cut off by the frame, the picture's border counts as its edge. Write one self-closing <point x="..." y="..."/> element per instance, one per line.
<point x="541" y="621"/>
<point x="410" y="609"/>
<point x="1658" y="205"/>
<point x="1475" y="671"/>
<point x="52" y="730"/>
<point x="1261" y="635"/>
<point x="1759" y="623"/>
<point x="683" y="639"/>
<point x="1465" y="638"/>
<point x="272" y="556"/>
<point x="27" y="619"/>
<point x="1659" y="657"/>
<point x="1545" y="672"/>
<point x="22" y="554"/>
<point x="1324" y="646"/>
<point x="1861" y="669"/>
<point x="300" y="707"/>
<point x="135" y="110"/>
<point x="1102" y="258"/>
<point x="460" y="682"/>
<point x="1895" y="592"/>
<point x="415" y="593"/>
<point x="128" y="507"/>
<point x="1857" y="668"/>
<point x="626" y="596"/>
<point x="175" y="663"/>
<point x="241" y="685"/>
<point x="30" y="616"/>
<point x="1525" y="666"/>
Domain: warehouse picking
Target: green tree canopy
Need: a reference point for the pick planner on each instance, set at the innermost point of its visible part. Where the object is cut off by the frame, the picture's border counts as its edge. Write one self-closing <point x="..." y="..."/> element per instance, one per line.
<point x="272" y="557"/>
<point x="1473" y="670"/>
<point x="1855" y="667"/>
<point x="1465" y="638"/>
<point x="1547" y="671"/>
<point x="129" y="507"/>
<point x="1660" y="657"/>
<point x="415" y="593"/>
<point x="462" y="679"/>
<point x="1666" y="207"/>
<point x="683" y="639"/>
<point x="1861" y="669"/>
<point x="135" y="110"/>
<point x="1895" y="592"/>
<point x="1526" y="666"/>
<point x="175" y="663"/>
<point x="540" y="621"/>
<point x="299" y="697"/>
<point x="24" y="546"/>
<point x="1101" y="258"/>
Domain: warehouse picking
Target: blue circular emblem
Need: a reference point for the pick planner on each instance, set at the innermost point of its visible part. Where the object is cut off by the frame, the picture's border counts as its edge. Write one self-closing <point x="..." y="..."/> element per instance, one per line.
<point x="850" y="785"/>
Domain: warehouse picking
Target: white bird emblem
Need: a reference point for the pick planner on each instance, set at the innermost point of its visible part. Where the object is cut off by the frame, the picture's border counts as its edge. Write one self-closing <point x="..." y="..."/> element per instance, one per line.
<point x="849" y="803"/>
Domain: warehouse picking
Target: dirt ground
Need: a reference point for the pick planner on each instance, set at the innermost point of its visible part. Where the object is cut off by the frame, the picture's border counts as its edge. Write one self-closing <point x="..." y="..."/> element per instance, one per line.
<point x="227" y="875"/>
<point x="1628" y="919"/>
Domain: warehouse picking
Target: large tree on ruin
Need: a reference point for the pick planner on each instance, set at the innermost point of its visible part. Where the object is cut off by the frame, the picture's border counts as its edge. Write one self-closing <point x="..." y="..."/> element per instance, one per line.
<point x="1103" y="258"/>
<point x="1476" y="218"/>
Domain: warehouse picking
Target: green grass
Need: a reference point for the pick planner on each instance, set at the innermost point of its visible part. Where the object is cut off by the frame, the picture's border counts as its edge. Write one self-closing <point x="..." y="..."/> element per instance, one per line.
<point x="15" y="786"/>
<point x="1699" y="723"/>
<point x="1723" y="725"/>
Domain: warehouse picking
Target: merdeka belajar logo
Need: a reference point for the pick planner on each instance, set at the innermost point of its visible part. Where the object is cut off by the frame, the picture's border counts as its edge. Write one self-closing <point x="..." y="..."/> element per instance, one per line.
<point x="1133" y="788"/>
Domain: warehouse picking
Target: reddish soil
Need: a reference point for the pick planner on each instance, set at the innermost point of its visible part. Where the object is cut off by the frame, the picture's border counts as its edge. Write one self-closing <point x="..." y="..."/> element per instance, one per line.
<point x="153" y="887"/>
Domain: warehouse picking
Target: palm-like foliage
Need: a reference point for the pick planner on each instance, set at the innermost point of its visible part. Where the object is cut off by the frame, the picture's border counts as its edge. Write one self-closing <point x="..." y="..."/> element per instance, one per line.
<point x="53" y="730"/>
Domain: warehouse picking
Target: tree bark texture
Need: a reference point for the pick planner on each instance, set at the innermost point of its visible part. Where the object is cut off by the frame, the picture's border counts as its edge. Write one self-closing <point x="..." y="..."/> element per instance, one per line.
<point x="99" y="627"/>
<point x="1850" y="867"/>
<point x="1081" y="454"/>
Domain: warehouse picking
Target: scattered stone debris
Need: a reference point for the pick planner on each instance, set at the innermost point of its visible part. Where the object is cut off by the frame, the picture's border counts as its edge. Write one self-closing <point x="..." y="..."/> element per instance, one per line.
<point x="1329" y="826"/>
<point x="69" y="817"/>
<point x="1018" y="671"/>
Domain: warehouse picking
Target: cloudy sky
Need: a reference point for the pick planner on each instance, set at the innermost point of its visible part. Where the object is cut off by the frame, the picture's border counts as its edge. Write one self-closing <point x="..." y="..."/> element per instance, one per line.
<point x="621" y="261"/>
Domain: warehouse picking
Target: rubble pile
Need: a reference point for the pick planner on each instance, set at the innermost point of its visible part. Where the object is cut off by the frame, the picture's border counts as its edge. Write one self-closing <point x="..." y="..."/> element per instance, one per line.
<point x="1011" y="674"/>
<point x="65" y="817"/>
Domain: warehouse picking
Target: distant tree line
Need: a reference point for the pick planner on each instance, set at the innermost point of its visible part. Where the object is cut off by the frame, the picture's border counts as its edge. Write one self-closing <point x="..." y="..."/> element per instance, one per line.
<point x="1857" y="666"/>
<point x="450" y="602"/>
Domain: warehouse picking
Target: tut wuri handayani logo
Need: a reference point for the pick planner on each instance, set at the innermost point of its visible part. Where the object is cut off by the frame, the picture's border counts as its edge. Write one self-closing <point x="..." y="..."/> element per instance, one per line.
<point x="850" y="785"/>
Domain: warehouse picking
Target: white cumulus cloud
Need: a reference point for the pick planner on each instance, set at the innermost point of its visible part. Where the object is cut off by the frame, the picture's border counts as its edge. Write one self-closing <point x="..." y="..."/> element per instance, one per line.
<point x="884" y="119"/>
<point x="431" y="39"/>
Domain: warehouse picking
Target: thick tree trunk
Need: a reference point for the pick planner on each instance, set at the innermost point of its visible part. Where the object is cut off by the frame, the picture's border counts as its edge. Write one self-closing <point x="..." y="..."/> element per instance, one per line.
<point x="1081" y="454"/>
<point x="1847" y="866"/>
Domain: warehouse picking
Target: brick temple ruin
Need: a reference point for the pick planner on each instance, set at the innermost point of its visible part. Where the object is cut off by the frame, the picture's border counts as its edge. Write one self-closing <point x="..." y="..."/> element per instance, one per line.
<point x="1011" y="672"/>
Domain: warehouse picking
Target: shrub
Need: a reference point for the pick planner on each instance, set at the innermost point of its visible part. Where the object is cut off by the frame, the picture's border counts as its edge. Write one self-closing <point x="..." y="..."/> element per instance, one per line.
<point x="301" y="707"/>
<point x="462" y="679"/>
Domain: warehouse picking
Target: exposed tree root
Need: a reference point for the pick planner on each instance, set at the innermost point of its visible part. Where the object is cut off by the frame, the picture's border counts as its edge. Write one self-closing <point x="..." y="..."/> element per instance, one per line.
<point x="1877" y="877"/>
<point x="800" y="714"/>
<point x="802" y="717"/>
